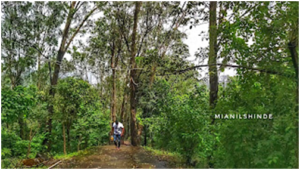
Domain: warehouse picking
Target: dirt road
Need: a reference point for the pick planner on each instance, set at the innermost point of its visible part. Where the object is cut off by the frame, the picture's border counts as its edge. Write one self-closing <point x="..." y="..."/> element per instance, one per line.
<point x="107" y="157"/>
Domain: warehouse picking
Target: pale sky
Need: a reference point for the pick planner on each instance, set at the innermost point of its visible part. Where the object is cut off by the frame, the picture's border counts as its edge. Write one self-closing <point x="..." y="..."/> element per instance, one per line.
<point x="194" y="41"/>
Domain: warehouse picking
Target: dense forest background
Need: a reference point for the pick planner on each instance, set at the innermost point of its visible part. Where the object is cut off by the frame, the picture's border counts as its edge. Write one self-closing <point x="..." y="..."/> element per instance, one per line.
<point x="137" y="58"/>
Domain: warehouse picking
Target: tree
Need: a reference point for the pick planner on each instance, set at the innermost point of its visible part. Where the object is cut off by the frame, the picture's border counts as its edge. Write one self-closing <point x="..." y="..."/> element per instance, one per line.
<point x="133" y="87"/>
<point x="36" y="42"/>
<point x="16" y="104"/>
<point x="70" y="98"/>
<point x="65" y="43"/>
<point x="269" y="54"/>
<point x="293" y="44"/>
<point x="212" y="61"/>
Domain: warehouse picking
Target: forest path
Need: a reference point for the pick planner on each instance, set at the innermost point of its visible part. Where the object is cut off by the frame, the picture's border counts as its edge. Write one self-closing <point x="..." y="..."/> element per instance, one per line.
<point x="108" y="157"/>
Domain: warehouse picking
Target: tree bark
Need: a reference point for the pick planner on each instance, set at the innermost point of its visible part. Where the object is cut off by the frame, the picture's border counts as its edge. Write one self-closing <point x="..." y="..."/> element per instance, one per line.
<point x="124" y="102"/>
<point x="86" y="141"/>
<point x="29" y="144"/>
<point x="133" y="86"/>
<point x="145" y="135"/>
<point x="292" y="47"/>
<point x="22" y="126"/>
<point x="127" y="124"/>
<point x="123" y="106"/>
<point x="213" y="72"/>
<point x="212" y="61"/>
<point x="297" y="123"/>
<point x="101" y="72"/>
<point x="64" y="136"/>
<point x="39" y="72"/>
<point x="78" y="145"/>
<point x="114" y="97"/>
<point x="140" y="131"/>
<point x="69" y="136"/>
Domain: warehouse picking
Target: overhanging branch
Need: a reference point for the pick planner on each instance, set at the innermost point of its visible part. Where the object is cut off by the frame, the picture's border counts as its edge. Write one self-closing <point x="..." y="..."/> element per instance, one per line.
<point x="80" y="25"/>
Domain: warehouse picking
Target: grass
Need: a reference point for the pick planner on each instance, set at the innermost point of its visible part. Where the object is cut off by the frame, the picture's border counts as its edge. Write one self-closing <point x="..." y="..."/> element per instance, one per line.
<point x="176" y="158"/>
<point x="70" y="155"/>
<point x="10" y="163"/>
<point x="165" y="155"/>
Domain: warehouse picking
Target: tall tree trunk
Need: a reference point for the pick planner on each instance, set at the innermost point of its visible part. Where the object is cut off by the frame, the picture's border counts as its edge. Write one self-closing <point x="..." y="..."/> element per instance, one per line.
<point x="15" y="81"/>
<point x="124" y="102"/>
<point x="113" y="97"/>
<point x="78" y="145"/>
<point x="145" y="135"/>
<point x="101" y="72"/>
<point x="59" y="57"/>
<point x="86" y="144"/>
<point x="69" y="137"/>
<point x="39" y="73"/>
<point x="22" y="126"/>
<point x="212" y="61"/>
<point x="29" y="144"/>
<point x="123" y="107"/>
<point x="64" y="135"/>
<point x="133" y="86"/>
<point x="213" y="72"/>
<point x="52" y="93"/>
<point x="295" y="60"/>
<point x="145" y="115"/>
<point x="127" y="124"/>
<point x="297" y="123"/>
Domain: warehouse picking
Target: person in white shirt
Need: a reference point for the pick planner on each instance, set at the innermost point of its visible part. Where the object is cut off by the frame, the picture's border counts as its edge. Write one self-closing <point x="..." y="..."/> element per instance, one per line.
<point x="118" y="130"/>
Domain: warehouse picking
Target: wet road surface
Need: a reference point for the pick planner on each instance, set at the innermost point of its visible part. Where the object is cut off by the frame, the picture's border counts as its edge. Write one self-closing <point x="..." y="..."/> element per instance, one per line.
<point x="108" y="157"/>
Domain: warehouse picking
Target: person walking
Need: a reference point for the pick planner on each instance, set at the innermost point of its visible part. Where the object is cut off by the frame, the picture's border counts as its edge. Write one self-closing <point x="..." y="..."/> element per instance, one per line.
<point x="118" y="130"/>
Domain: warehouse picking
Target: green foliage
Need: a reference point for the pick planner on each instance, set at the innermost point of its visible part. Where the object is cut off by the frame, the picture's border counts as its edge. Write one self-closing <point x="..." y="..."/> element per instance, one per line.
<point x="9" y="140"/>
<point x="17" y="102"/>
<point x="180" y="122"/>
<point x="257" y="143"/>
<point x="26" y="31"/>
<point x="71" y="97"/>
<point x="77" y="106"/>
<point x="76" y="99"/>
